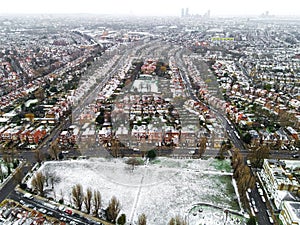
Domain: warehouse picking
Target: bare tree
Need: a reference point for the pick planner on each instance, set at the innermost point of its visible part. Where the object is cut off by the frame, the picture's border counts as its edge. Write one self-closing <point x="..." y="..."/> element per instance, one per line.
<point x="38" y="156"/>
<point x="38" y="182"/>
<point x="39" y="94"/>
<point x="113" y="209"/>
<point x="202" y="146"/>
<point x="115" y="147"/>
<point x="18" y="175"/>
<point x="133" y="162"/>
<point x="237" y="160"/>
<point x="77" y="196"/>
<point x="7" y="162"/>
<point x="172" y="222"/>
<point x="177" y="221"/>
<point x="1" y="174"/>
<point x="142" y="220"/>
<point x="54" y="150"/>
<point x="96" y="202"/>
<point x="88" y="200"/>
<point x="258" y="154"/>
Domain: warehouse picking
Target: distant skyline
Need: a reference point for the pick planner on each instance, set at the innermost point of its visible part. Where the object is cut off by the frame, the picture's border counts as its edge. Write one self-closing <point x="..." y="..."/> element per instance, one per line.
<point x="152" y="8"/>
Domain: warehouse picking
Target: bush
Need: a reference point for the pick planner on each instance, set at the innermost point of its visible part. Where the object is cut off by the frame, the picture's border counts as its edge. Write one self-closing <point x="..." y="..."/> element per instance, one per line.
<point x="23" y="186"/>
<point x="252" y="221"/>
<point x="122" y="219"/>
<point x="151" y="154"/>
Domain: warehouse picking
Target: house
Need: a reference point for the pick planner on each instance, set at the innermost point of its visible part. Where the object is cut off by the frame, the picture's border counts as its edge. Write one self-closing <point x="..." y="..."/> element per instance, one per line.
<point x="36" y="135"/>
<point x="290" y="213"/>
<point x="293" y="134"/>
<point x="281" y="180"/>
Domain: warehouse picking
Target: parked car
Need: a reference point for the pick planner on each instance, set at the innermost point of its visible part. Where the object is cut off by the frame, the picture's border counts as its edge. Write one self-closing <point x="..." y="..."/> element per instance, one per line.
<point x="42" y="210"/>
<point x="69" y="211"/>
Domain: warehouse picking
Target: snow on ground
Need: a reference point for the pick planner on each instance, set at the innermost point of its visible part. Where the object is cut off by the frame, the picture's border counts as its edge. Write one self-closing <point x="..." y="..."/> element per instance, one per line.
<point x="162" y="189"/>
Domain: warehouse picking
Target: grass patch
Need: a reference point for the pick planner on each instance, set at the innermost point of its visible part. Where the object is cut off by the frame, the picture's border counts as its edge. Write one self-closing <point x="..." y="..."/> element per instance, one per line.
<point x="155" y="161"/>
<point x="221" y="165"/>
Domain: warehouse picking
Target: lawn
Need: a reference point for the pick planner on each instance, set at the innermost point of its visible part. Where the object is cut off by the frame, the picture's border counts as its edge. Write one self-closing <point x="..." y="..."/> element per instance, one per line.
<point x="161" y="190"/>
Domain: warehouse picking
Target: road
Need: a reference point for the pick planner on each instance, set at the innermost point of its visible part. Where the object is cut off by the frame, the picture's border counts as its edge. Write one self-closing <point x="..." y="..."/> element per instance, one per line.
<point x="52" y="210"/>
<point x="232" y="132"/>
<point x="10" y="185"/>
<point x="261" y="214"/>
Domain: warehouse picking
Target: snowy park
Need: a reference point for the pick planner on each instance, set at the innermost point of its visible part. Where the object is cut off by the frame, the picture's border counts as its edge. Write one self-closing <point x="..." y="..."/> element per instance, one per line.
<point x="160" y="189"/>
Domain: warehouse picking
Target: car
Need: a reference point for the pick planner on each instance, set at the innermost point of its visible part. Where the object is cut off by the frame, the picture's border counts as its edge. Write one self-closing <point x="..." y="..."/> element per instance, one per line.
<point x="296" y="156"/>
<point x="42" y="210"/>
<point x="28" y="196"/>
<point x="63" y="219"/>
<point x="69" y="211"/>
<point x="257" y="185"/>
<point x="263" y="199"/>
<point x="29" y="206"/>
<point x="49" y="213"/>
<point x="22" y="202"/>
<point x="271" y="219"/>
<point x="61" y="208"/>
<point x="255" y="209"/>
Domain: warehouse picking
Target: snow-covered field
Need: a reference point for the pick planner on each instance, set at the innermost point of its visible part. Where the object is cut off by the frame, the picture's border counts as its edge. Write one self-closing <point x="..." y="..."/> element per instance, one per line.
<point x="161" y="189"/>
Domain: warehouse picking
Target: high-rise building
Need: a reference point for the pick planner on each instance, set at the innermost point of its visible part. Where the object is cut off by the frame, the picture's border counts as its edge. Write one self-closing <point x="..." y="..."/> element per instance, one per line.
<point x="182" y="12"/>
<point x="187" y="12"/>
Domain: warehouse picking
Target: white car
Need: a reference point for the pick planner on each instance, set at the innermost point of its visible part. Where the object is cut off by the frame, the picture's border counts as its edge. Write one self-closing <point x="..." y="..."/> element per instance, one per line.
<point x="42" y="210"/>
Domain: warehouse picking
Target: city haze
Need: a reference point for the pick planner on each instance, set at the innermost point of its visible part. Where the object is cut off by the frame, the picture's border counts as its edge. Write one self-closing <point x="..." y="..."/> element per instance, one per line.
<point x="153" y="8"/>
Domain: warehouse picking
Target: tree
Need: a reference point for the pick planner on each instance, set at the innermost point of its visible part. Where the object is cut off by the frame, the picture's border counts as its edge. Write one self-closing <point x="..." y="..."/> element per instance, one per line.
<point x="142" y="220"/>
<point x="224" y="147"/>
<point x="121" y="220"/>
<point x="39" y="94"/>
<point x="237" y="160"/>
<point x="88" y="200"/>
<point x="115" y="146"/>
<point x="18" y="175"/>
<point x="54" y="150"/>
<point x="151" y="154"/>
<point x="258" y="154"/>
<point x="202" y="146"/>
<point x="113" y="209"/>
<point x="251" y="221"/>
<point x="7" y="162"/>
<point x="177" y="221"/>
<point x="30" y="116"/>
<point x="38" y="156"/>
<point x="172" y="222"/>
<point x="38" y="182"/>
<point x="97" y="202"/>
<point x="77" y="196"/>
<point x="247" y="138"/>
<point x="100" y="118"/>
<point x="53" y="89"/>
<point x="1" y="174"/>
<point x="133" y="162"/>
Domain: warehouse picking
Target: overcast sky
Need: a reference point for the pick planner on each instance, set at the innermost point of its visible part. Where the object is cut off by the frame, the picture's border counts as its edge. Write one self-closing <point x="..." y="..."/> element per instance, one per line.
<point x="153" y="7"/>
